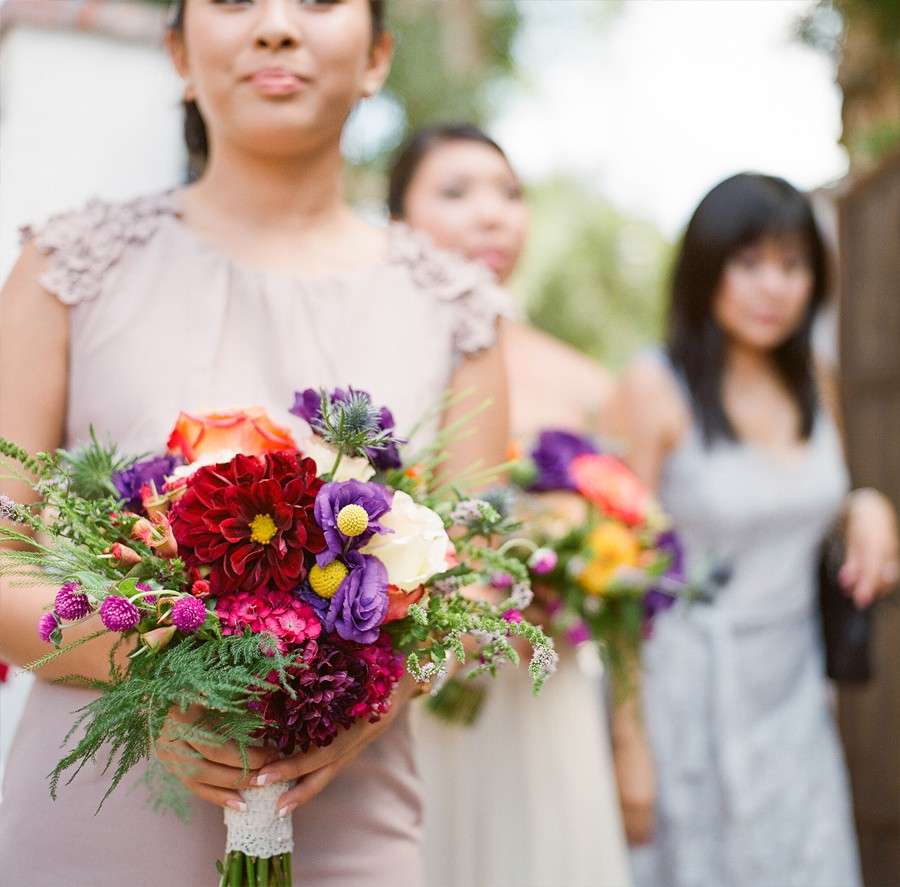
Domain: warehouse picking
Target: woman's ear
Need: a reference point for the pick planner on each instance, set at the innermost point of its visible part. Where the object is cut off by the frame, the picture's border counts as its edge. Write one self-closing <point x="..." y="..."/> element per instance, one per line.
<point x="379" y="65"/>
<point x="177" y="52"/>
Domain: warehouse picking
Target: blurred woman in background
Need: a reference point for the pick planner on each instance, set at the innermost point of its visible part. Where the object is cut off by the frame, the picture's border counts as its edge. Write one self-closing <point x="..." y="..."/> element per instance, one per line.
<point x="736" y="428"/>
<point x="547" y="760"/>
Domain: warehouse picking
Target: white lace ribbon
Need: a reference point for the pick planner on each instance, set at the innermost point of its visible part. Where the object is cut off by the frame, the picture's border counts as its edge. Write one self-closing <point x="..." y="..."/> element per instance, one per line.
<point x="259" y="830"/>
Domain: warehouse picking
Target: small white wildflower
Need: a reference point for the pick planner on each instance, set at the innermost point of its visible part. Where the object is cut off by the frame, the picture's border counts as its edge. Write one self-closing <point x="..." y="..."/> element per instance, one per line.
<point x="521" y="596"/>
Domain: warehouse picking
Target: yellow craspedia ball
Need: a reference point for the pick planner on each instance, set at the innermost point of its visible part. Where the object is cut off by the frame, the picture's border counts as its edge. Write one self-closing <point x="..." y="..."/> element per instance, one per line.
<point x="353" y="520"/>
<point x="325" y="581"/>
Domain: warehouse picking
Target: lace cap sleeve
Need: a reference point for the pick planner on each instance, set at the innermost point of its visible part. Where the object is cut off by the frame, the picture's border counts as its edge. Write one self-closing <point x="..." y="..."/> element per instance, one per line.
<point x="84" y="244"/>
<point x="475" y="300"/>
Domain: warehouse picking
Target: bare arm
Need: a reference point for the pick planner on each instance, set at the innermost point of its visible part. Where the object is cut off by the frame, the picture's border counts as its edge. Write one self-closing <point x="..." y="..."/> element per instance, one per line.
<point x="872" y="565"/>
<point x="480" y="377"/>
<point x="34" y="332"/>
<point x="651" y="418"/>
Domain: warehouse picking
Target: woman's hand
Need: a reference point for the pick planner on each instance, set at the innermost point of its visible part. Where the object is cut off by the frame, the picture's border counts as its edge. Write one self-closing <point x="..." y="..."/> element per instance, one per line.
<point x="215" y="773"/>
<point x="872" y="565"/>
<point x="212" y="772"/>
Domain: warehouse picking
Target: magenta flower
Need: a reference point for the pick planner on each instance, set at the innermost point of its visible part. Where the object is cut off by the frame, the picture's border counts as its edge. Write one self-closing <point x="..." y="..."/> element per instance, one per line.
<point x="47" y="626"/>
<point x="71" y="603"/>
<point x="287" y="618"/>
<point x="543" y="561"/>
<point x="188" y="614"/>
<point x="119" y="614"/>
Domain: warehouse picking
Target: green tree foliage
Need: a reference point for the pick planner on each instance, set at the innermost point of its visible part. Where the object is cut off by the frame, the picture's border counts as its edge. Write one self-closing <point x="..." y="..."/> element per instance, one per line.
<point x="592" y="276"/>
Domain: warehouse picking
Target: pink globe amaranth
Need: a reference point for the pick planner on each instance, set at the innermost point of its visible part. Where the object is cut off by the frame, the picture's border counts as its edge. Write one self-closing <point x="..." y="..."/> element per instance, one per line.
<point x="119" y="614"/>
<point x="543" y="561"/>
<point x="71" y="603"/>
<point x="47" y="625"/>
<point x="188" y="614"/>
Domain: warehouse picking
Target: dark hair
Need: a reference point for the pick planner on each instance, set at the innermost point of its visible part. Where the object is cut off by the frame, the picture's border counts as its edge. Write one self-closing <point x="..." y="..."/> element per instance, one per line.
<point x="195" y="136"/>
<point x="419" y="145"/>
<point x="737" y="212"/>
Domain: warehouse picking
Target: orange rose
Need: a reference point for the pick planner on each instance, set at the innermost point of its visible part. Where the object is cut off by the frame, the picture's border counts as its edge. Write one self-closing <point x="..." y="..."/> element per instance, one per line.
<point x="399" y="602"/>
<point x="250" y="432"/>
<point x="610" y="485"/>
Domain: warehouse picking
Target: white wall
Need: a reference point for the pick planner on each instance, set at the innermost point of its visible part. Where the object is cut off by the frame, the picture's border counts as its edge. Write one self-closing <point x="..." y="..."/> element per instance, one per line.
<point x="80" y="116"/>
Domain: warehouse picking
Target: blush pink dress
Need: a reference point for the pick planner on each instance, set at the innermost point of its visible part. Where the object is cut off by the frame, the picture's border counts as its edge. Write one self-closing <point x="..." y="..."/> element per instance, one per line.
<point x="160" y="322"/>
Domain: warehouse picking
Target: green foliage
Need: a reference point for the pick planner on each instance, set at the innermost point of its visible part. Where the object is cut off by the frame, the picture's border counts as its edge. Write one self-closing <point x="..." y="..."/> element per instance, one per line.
<point x="592" y="276"/>
<point x="126" y="720"/>
<point x="442" y="74"/>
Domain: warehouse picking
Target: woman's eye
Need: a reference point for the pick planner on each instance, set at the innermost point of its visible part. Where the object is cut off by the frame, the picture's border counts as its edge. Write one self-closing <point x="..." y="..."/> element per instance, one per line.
<point x="453" y="192"/>
<point x="513" y="192"/>
<point x="747" y="259"/>
<point x="232" y="2"/>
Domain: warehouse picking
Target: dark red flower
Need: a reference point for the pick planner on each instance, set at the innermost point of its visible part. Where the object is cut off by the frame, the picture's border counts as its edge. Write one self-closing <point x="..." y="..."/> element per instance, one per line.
<point x="250" y="521"/>
<point x="337" y="684"/>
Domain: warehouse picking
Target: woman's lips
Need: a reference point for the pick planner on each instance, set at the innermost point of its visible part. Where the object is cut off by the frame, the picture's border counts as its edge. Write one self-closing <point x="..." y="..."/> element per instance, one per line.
<point x="495" y="259"/>
<point x="276" y="81"/>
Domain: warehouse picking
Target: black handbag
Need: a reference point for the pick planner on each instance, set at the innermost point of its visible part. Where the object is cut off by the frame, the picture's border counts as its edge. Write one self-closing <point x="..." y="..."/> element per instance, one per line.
<point x="847" y="630"/>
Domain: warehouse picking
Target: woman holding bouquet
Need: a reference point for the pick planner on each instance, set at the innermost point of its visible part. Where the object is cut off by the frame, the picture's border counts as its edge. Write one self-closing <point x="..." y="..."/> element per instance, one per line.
<point x="456" y="184"/>
<point x="742" y="444"/>
<point x="254" y="282"/>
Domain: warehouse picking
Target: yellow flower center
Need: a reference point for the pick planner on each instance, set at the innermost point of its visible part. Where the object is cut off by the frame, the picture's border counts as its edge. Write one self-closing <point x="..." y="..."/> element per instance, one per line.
<point x="325" y="581"/>
<point x="353" y="520"/>
<point x="262" y="529"/>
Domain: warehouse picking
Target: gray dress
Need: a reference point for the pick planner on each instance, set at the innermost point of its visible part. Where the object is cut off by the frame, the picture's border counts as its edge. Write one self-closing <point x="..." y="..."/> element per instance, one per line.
<point x="160" y="322"/>
<point x="752" y="790"/>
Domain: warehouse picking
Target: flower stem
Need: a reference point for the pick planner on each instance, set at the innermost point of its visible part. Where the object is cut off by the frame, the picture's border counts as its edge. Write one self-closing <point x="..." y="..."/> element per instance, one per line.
<point x="234" y="867"/>
<point x="262" y="872"/>
<point x="337" y="463"/>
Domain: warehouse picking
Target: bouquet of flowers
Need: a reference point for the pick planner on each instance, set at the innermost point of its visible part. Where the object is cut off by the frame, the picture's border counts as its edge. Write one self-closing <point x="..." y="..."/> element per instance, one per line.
<point x="601" y="550"/>
<point x="282" y="589"/>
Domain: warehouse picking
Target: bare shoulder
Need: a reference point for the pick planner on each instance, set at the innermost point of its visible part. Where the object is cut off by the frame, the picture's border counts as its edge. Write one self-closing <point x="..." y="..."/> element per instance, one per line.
<point x="23" y="295"/>
<point x="650" y="401"/>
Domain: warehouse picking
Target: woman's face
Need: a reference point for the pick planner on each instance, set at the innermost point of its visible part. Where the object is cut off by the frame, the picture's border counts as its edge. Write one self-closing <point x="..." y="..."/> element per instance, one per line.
<point x="764" y="292"/>
<point x="465" y="195"/>
<point x="279" y="76"/>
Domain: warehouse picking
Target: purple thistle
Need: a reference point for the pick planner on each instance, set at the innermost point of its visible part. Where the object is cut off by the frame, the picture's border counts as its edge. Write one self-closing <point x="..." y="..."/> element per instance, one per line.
<point x="71" y="603"/>
<point x="155" y="470"/>
<point x="47" y="626"/>
<point x="188" y="614"/>
<point x="308" y="406"/>
<point x="552" y="456"/>
<point x="119" y="614"/>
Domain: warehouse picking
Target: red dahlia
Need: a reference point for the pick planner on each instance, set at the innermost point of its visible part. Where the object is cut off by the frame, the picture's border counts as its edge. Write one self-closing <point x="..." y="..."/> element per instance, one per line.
<point x="250" y="521"/>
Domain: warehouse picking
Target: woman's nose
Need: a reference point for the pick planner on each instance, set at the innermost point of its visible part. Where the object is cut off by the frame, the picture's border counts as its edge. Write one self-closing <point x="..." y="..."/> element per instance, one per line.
<point x="277" y="28"/>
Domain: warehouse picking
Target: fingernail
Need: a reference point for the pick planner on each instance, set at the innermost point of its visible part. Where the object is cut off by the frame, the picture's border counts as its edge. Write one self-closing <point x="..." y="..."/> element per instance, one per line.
<point x="240" y="806"/>
<point x="286" y="811"/>
<point x="262" y="779"/>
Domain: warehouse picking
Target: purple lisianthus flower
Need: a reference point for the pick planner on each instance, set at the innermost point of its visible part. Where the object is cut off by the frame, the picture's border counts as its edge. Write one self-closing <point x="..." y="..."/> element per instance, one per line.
<point x="332" y="497"/>
<point x="359" y="606"/>
<point x="657" y="599"/>
<point x="153" y="471"/>
<point x="552" y="455"/>
<point x="308" y="406"/>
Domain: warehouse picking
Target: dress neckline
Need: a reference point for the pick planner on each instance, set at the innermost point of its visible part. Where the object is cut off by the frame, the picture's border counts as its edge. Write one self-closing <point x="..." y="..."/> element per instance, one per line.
<point x="394" y="251"/>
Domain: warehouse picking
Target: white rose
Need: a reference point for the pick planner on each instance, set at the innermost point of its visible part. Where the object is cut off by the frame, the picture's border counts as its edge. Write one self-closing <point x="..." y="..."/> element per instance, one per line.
<point x="357" y="468"/>
<point x="416" y="550"/>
